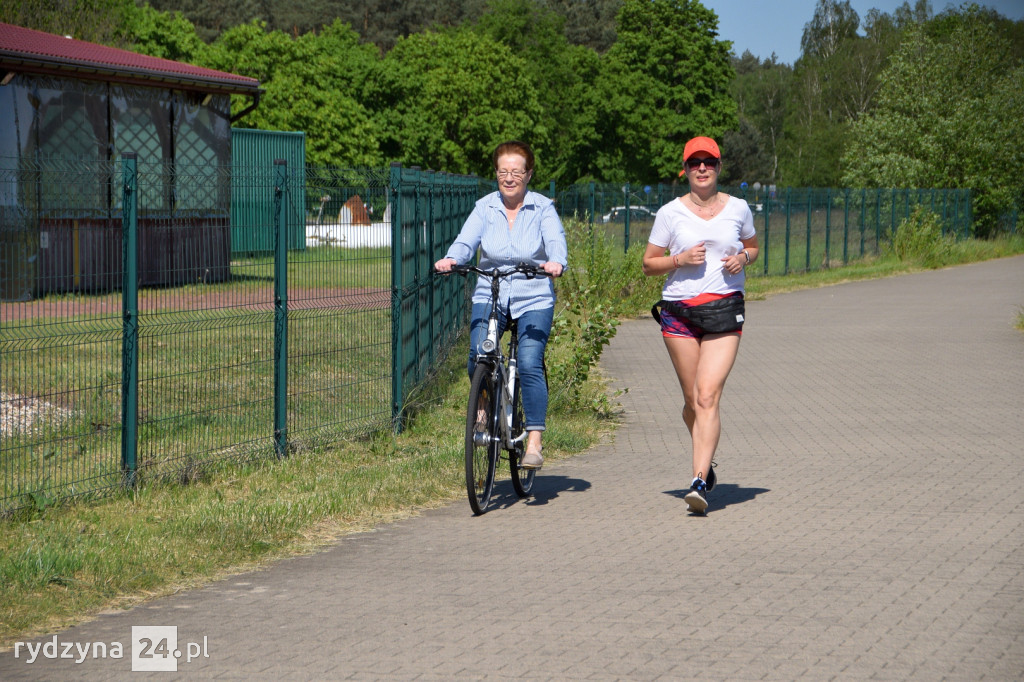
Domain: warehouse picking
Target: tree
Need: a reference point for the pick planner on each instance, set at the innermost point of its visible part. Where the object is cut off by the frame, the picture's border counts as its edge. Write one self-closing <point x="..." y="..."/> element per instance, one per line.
<point x="588" y="23"/>
<point x="761" y="91"/>
<point x="97" y="21"/>
<point x="947" y="117"/>
<point x="748" y="159"/>
<point x="446" y="100"/>
<point x="314" y="83"/>
<point x="813" y="140"/>
<point x="213" y="17"/>
<point x="663" y="81"/>
<point x="166" y="35"/>
<point x="835" y="82"/>
<point x="833" y="22"/>
<point x="534" y="32"/>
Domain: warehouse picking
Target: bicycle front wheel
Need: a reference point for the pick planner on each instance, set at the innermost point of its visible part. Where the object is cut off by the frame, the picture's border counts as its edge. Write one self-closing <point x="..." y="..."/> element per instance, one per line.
<point x="522" y="479"/>
<point x="482" y="439"/>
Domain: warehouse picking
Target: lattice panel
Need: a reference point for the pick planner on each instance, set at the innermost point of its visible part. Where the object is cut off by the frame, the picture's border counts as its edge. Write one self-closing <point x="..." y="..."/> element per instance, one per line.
<point x="140" y="122"/>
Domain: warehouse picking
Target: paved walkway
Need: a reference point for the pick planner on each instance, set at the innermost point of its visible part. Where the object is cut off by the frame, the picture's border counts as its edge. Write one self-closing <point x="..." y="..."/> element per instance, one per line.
<point x="868" y="524"/>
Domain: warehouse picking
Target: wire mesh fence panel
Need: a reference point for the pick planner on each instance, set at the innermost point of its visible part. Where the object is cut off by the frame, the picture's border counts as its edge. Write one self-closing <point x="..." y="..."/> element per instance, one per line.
<point x="339" y="307"/>
<point x="799" y="229"/>
<point x="60" y="356"/>
<point x="208" y="319"/>
<point x="205" y="325"/>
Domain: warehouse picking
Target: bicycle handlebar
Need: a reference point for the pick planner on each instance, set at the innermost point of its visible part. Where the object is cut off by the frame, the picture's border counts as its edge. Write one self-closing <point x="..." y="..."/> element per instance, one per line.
<point x="531" y="271"/>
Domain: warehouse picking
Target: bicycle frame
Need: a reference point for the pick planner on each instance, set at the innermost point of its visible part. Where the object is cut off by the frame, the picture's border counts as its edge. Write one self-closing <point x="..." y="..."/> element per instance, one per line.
<point x="494" y="414"/>
<point x="505" y="374"/>
<point x="504" y="369"/>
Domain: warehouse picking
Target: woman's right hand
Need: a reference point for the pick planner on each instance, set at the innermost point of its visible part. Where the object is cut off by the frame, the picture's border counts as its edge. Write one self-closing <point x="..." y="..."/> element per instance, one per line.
<point x="695" y="255"/>
<point x="444" y="265"/>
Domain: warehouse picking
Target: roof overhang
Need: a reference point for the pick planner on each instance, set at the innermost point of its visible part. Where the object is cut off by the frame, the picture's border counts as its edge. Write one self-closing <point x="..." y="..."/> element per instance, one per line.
<point x="24" y="50"/>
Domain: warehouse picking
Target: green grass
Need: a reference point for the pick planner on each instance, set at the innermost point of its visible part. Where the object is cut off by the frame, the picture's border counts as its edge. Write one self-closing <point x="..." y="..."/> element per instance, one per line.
<point x="206" y="375"/>
<point x="62" y="564"/>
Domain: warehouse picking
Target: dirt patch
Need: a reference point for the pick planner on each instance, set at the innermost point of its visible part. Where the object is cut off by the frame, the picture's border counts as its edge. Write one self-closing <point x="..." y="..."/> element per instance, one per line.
<point x="21" y="414"/>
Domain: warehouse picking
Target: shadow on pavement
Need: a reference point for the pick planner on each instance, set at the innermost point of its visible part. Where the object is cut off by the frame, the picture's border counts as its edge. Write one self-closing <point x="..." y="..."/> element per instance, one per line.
<point x="723" y="495"/>
<point x="547" y="488"/>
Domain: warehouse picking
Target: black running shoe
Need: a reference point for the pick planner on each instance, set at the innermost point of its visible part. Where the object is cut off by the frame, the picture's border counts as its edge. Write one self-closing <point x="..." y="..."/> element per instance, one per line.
<point x="697" y="499"/>
<point x="712" y="479"/>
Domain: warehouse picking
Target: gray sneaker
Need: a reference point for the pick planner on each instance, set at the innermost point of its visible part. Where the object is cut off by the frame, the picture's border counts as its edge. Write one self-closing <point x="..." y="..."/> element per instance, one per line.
<point x="697" y="499"/>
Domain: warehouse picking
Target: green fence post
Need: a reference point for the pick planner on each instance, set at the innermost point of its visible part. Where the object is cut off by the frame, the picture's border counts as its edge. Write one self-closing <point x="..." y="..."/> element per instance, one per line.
<point x="807" y="239"/>
<point x="892" y="211"/>
<point x="968" y="214"/>
<point x="828" y="227"/>
<point x="424" y="338"/>
<point x="789" y="222"/>
<point x="590" y="222"/>
<point x="396" y="288"/>
<point x="846" y="226"/>
<point x="130" y="321"/>
<point x="945" y="212"/>
<point x="625" y="238"/>
<point x="863" y="207"/>
<point x="593" y="202"/>
<point x="281" y="307"/>
<point x="768" y="200"/>
<point x="878" y="220"/>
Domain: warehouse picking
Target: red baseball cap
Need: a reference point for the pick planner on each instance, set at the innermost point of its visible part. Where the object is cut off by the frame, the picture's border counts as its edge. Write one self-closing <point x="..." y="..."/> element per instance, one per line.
<point x="700" y="144"/>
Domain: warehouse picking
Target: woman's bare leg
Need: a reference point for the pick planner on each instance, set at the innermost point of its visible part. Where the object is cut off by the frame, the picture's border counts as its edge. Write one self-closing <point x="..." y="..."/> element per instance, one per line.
<point x="702" y="368"/>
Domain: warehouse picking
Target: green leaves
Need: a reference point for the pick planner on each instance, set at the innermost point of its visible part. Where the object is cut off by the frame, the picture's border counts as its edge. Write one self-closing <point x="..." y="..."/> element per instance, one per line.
<point x="947" y="113"/>
<point x="446" y="100"/>
<point x="165" y="34"/>
<point x="315" y="83"/>
<point x="665" y="80"/>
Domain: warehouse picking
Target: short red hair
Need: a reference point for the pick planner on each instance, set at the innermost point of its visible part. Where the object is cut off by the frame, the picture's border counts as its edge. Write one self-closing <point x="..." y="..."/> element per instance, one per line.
<point x="514" y="147"/>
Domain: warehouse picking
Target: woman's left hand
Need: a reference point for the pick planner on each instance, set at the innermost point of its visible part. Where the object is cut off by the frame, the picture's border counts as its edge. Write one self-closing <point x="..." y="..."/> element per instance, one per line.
<point x="733" y="264"/>
<point x="552" y="268"/>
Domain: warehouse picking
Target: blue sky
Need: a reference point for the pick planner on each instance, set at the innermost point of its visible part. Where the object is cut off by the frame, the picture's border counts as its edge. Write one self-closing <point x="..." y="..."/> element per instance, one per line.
<point x="766" y="26"/>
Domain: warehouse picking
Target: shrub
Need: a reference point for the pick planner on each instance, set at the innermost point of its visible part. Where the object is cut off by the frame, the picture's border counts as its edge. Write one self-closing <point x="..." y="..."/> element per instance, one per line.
<point x="919" y="239"/>
<point x="601" y="286"/>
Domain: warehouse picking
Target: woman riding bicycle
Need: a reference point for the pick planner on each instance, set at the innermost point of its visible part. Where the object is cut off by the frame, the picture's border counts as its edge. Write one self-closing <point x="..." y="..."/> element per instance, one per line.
<point x="512" y="226"/>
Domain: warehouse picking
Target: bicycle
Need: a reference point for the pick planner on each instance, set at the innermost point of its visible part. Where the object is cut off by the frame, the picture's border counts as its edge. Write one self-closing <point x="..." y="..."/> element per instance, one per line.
<point x="494" y="416"/>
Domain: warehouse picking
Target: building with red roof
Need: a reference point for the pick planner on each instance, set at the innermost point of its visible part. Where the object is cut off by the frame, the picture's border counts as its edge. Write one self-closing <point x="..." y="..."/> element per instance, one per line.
<point x="68" y="97"/>
<point x="65" y="101"/>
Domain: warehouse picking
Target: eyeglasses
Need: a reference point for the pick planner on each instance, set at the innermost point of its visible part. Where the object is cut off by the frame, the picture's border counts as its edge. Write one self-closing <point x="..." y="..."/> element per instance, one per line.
<point x="694" y="164"/>
<point x="514" y="174"/>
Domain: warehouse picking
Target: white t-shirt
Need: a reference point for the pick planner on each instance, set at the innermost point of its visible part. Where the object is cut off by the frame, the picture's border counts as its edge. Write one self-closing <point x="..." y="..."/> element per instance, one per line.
<point x="677" y="229"/>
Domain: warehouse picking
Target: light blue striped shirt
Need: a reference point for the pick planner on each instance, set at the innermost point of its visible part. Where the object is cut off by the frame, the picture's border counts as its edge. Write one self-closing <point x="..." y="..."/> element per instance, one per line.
<point x="537" y="237"/>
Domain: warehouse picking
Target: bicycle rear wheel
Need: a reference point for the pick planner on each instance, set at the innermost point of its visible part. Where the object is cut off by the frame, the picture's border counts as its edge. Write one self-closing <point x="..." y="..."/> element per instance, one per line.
<point x="522" y="479"/>
<point x="482" y="440"/>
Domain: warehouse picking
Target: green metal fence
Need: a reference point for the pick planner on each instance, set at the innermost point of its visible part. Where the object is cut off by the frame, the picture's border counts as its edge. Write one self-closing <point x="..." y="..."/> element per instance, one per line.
<point x="136" y="342"/>
<point x="428" y="210"/>
<point x="800" y="229"/>
<point x="106" y="379"/>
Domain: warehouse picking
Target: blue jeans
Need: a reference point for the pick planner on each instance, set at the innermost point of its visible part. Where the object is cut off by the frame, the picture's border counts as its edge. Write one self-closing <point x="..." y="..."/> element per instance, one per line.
<point x="534" y="329"/>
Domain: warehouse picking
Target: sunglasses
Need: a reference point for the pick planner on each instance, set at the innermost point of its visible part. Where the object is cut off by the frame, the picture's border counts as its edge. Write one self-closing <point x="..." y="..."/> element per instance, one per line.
<point x="694" y="164"/>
